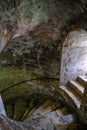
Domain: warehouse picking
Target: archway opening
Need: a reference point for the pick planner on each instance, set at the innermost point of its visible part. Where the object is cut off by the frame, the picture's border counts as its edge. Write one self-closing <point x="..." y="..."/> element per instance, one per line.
<point x="74" y="56"/>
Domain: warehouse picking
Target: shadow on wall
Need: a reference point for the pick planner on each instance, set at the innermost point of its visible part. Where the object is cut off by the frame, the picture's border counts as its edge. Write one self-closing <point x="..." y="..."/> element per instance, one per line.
<point x="74" y="56"/>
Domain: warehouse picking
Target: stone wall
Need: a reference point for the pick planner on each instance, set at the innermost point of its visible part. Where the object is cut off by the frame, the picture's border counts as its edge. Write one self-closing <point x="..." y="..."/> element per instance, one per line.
<point x="74" y="56"/>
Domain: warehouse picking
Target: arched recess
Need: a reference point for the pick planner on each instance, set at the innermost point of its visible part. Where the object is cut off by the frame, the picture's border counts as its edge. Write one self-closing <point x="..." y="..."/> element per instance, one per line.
<point x="74" y="56"/>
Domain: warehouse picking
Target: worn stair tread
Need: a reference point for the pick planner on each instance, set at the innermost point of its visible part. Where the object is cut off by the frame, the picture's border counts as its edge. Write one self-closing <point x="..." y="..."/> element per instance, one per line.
<point x="29" y="115"/>
<point x="26" y="113"/>
<point x="76" y="86"/>
<point x="52" y="107"/>
<point x="82" y="79"/>
<point x="56" y="113"/>
<point x="39" y="110"/>
<point x="75" y="99"/>
<point x="35" y="112"/>
<point x="47" y="107"/>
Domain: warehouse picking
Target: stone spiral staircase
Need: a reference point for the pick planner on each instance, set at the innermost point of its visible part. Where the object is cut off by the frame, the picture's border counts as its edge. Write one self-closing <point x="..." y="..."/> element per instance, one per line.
<point x="51" y="114"/>
<point x="75" y="93"/>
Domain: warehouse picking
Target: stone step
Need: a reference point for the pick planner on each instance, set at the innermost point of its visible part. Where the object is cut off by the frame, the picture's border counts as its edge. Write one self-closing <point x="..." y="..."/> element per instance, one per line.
<point x="28" y="112"/>
<point x="47" y="107"/>
<point x="54" y="114"/>
<point x="62" y="111"/>
<point x="77" y="87"/>
<point x="54" y="119"/>
<point x="52" y="107"/>
<point x="82" y="79"/>
<point x="68" y="119"/>
<point x="69" y="96"/>
<point x="2" y="108"/>
<point x="40" y="109"/>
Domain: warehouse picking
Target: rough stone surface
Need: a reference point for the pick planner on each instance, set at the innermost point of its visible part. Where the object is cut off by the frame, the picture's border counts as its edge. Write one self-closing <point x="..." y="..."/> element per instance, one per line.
<point x="8" y="124"/>
<point x="31" y="39"/>
<point x="40" y="46"/>
<point x="38" y="124"/>
<point x="74" y="56"/>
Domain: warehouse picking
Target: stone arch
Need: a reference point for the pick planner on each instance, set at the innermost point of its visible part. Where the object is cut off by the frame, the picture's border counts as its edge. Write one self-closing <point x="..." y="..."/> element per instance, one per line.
<point x="74" y="47"/>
